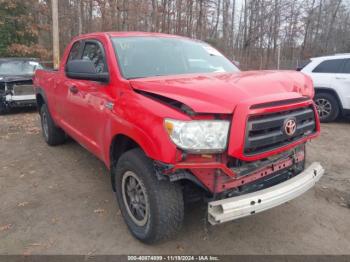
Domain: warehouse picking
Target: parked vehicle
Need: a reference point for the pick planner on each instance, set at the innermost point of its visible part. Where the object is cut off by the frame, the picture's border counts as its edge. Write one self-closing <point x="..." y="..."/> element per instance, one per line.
<point x="175" y="121"/>
<point x="331" y="76"/>
<point x="16" y="85"/>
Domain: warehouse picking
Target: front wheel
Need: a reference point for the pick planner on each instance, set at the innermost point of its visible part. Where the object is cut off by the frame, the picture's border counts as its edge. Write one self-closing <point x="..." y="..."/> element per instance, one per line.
<point x="327" y="107"/>
<point x="152" y="209"/>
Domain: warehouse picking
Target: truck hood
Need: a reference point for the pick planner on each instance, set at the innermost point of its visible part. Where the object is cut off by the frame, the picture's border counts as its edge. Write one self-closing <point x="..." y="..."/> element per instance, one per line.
<point x="222" y="92"/>
<point x="15" y="78"/>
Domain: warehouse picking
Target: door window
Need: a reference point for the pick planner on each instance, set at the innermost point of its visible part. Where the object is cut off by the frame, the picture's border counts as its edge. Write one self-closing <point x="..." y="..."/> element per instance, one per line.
<point x="74" y="52"/>
<point x="346" y="69"/>
<point x="329" y="66"/>
<point x="93" y="52"/>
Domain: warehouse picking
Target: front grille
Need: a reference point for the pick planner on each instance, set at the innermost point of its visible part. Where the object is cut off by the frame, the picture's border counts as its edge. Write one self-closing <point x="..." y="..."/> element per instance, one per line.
<point x="266" y="132"/>
<point x="22" y="88"/>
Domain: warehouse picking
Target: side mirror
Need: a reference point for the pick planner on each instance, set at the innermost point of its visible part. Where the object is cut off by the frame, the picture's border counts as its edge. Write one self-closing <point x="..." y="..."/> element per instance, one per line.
<point x="85" y="70"/>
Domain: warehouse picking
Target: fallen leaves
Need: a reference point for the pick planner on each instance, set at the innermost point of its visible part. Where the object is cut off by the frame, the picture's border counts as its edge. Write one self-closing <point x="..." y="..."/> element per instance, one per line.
<point x="22" y="204"/>
<point x="54" y="220"/>
<point x="5" y="227"/>
<point x="33" y="130"/>
<point x="99" y="211"/>
<point x="180" y="248"/>
<point x="92" y="252"/>
<point x="18" y="124"/>
<point x="37" y="246"/>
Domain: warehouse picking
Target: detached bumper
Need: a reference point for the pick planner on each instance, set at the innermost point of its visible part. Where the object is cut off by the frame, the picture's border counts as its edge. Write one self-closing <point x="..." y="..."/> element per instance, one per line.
<point x="236" y="207"/>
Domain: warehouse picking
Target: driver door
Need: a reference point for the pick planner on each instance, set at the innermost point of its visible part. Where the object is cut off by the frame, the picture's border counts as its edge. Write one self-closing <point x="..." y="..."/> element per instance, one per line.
<point x="84" y="100"/>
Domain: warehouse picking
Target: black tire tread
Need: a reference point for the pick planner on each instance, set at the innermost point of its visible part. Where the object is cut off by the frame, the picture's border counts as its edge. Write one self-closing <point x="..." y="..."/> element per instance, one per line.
<point x="56" y="135"/>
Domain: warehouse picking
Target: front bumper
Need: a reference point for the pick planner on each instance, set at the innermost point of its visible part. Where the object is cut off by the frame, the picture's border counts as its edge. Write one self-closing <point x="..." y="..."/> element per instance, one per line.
<point x="20" y="98"/>
<point x="10" y="101"/>
<point x="224" y="210"/>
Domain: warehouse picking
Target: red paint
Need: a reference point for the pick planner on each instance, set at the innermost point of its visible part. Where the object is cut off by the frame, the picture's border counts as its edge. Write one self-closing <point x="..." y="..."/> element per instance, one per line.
<point x="85" y="118"/>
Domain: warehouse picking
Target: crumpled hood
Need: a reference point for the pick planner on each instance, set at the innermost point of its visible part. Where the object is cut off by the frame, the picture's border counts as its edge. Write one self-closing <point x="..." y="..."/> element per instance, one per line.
<point x="222" y="92"/>
<point x="14" y="78"/>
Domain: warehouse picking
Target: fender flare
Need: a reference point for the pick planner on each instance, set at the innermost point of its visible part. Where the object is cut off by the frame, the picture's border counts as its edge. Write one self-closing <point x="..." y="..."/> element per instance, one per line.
<point x="40" y="91"/>
<point x="141" y="139"/>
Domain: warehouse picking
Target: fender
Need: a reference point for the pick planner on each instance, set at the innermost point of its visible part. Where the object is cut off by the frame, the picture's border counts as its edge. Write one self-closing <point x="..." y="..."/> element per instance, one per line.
<point x="161" y="150"/>
<point x="40" y="91"/>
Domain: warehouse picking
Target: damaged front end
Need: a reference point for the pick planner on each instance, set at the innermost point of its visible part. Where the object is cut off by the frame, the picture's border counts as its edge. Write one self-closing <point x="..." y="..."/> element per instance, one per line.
<point x="223" y="176"/>
<point x="234" y="188"/>
<point x="16" y="94"/>
<point x="263" y="165"/>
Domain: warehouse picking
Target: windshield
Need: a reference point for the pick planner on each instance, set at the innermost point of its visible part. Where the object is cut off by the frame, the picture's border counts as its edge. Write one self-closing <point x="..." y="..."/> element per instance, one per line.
<point x="160" y="56"/>
<point x="18" y="67"/>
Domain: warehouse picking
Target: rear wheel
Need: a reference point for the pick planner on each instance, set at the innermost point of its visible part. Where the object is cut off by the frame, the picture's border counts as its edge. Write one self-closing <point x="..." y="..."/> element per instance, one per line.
<point x="152" y="209"/>
<point x="53" y="135"/>
<point x="327" y="107"/>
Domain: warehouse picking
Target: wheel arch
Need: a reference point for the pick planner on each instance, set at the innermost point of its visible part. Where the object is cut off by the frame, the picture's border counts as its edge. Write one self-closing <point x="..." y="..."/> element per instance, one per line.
<point x="120" y="144"/>
<point x="331" y="92"/>
<point x="40" y="97"/>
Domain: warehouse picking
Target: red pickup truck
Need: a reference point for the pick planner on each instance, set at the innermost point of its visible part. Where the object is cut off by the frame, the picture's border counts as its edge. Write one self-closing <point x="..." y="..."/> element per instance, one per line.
<point x="175" y="121"/>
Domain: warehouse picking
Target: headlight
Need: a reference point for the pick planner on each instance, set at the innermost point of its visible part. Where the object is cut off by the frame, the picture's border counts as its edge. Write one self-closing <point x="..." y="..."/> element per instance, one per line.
<point x="198" y="136"/>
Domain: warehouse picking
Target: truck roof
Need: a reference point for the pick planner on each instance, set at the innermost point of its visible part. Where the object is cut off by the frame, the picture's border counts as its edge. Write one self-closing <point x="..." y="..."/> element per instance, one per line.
<point x="127" y="34"/>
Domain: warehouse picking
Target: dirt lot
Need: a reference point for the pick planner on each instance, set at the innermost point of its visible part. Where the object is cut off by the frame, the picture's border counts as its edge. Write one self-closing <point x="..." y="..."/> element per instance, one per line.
<point x="58" y="200"/>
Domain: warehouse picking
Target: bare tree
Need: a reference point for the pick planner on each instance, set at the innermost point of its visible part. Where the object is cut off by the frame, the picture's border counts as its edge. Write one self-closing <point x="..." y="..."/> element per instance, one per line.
<point x="251" y="32"/>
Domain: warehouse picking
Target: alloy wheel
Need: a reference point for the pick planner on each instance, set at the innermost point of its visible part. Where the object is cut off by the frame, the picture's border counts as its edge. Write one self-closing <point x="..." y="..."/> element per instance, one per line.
<point x="135" y="198"/>
<point x="324" y="107"/>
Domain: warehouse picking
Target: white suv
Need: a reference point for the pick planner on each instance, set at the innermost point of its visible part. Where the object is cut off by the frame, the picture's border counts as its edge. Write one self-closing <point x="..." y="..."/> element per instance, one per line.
<point x="331" y="77"/>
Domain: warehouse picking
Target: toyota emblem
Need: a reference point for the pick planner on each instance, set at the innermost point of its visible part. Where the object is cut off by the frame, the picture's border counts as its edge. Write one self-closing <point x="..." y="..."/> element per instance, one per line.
<point x="290" y="126"/>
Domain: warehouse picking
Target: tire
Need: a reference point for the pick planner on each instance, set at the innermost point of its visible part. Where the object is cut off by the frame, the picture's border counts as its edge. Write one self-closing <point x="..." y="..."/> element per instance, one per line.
<point x="3" y="108"/>
<point x="53" y="135"/>
<point x="327" y="107"/>
<point x="163" y="206"/>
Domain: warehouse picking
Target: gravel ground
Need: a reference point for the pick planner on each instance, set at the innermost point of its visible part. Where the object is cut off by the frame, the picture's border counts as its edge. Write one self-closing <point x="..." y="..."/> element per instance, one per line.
<point x="58" y="200"/>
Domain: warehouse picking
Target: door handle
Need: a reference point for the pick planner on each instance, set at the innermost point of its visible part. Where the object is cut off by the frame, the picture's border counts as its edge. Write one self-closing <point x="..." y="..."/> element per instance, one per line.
<point x="73" y="89"/>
